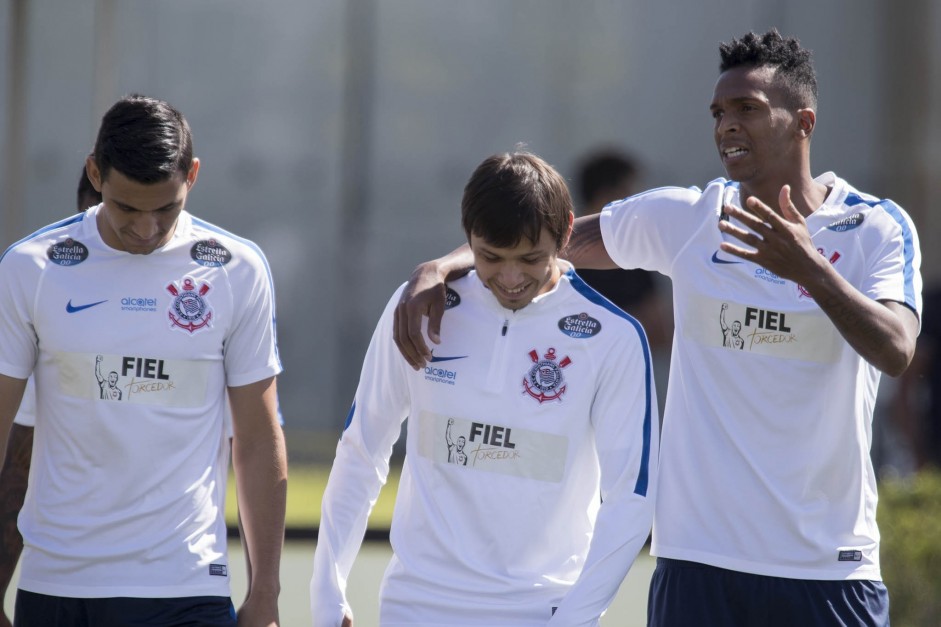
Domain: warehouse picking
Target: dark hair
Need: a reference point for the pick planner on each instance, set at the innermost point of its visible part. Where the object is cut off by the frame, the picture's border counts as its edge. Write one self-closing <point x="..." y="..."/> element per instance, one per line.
<point x="602" y="170"/>
<point x="515" y="195"/>
<point x="792" y="63"/>
<point x="145" y="139"/>
<point x="87" y="195"/>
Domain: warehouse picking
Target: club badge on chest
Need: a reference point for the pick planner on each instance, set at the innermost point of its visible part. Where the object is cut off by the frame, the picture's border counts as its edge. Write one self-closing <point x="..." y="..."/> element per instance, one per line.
<point x="545" y="381"/>
<point x="189" y="309"/>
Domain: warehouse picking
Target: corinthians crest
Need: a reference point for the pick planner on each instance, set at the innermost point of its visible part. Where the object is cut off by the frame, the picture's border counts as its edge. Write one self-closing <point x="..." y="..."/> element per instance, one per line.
<point x="544" y="381"/>
<point x="189" y="310"/>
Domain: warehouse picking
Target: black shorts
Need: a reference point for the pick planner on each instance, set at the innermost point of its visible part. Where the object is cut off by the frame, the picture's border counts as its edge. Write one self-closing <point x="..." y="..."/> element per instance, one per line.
<point x="689" y="594"/>
<point x="42" y="610"/>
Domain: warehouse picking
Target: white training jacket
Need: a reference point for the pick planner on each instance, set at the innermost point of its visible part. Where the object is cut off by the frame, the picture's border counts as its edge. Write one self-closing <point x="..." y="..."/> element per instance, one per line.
<point x="518" y="429"/>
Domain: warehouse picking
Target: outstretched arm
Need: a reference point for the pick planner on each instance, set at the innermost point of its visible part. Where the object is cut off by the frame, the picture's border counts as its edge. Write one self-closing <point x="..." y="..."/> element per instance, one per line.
<point x="424" y="296"/>
<point x="586" y="246"/>
<point x="882" y="332"/>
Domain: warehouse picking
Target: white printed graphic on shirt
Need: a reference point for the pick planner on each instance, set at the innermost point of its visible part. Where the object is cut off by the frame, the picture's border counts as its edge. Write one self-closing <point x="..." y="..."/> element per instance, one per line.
<point x="482" y="445"/>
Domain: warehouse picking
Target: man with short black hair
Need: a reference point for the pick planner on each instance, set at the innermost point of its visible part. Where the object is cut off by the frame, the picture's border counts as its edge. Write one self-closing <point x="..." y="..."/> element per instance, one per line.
<point x="123" y="522"/>
<point x="767" y="501"/>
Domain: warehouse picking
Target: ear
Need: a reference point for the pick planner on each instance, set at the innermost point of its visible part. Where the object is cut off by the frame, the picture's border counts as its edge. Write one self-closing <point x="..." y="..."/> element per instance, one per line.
<point x="806" y="120"/>
<point x="94" y="174"/>
<point x="193" y="173"/>
<point x="568" y="231"/>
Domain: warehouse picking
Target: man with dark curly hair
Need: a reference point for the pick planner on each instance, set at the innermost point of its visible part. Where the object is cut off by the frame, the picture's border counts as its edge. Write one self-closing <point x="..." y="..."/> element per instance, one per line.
<point x="767" y="502"/>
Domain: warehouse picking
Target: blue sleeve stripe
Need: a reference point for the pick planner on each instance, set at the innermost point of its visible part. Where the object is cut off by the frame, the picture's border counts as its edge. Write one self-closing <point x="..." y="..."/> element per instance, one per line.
<point x="274" y="307"/>
<point x="908" y="244"/>
<point x="349" y="417"/>
<point x="55" y="225"/>
<point x="591" y="295"/>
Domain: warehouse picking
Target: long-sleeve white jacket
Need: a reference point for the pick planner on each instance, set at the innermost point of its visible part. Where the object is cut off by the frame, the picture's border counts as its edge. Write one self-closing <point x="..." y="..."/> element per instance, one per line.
<point x="530" y="468"/>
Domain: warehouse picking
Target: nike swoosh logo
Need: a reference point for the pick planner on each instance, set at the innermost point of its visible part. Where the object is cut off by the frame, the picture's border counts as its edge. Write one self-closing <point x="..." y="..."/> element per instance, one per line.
<point x="434" y="359"/>
<point x="73" y="308"/>
<point x="715" y="259"/>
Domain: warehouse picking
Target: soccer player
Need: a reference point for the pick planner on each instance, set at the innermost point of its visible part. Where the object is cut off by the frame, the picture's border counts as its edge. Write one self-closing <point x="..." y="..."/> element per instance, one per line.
<point x="550" y="387"/>
<point x="123" y="522"/>
<point x="767" y="501"/>
<point x="15" y="471"/>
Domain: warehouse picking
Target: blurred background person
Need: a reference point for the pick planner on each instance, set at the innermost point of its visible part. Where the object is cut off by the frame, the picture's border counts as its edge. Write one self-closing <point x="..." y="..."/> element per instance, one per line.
<point x="603" y="175"/>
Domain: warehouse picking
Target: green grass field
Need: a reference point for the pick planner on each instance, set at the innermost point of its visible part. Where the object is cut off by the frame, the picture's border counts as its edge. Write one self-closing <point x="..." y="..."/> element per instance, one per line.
<point x="305" y="492"/>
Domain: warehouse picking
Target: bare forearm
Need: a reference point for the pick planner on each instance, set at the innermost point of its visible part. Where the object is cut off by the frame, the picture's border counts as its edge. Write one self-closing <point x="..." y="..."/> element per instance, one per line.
<point x="452" y="266"/>
<point x="586" y="246"/>
<point x="13" y="482"/>
<point x="882" y="333"/>
<point x="261" y="483"/>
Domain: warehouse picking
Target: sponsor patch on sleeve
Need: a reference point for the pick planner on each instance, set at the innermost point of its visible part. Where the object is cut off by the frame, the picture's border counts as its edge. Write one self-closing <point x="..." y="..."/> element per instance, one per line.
<point x="68" y="252"/>
<point x="210" y="253"/>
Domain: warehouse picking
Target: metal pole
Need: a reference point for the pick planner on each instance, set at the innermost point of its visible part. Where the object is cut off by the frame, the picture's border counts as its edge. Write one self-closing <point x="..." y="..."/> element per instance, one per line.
<point x="355" y="177"/>
<point x="14" y="152"/>
<point x="103" y="71"/>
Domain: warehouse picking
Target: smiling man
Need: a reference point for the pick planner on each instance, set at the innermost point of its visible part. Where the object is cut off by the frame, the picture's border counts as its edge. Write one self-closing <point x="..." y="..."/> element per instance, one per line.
<point x="531" y="453"/>
<point x="137" y="320"/>
<point x="766" y="509"/>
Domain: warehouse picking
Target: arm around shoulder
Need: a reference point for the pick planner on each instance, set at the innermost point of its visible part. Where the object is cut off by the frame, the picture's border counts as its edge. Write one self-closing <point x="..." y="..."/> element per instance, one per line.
<point x="424" y="295"/>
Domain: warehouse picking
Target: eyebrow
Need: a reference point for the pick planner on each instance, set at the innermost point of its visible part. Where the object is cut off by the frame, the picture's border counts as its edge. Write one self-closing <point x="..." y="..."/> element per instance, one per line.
<point x="127" y="207"/>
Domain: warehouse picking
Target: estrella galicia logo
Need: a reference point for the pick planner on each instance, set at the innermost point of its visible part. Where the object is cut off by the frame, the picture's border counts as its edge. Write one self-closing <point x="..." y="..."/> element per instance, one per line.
<point x="847" y="224"/>
<point x="69" y="252"/>
<point x="451" y="299"/>
<point x="210" y="253"/>
<point x="579" y="326"/>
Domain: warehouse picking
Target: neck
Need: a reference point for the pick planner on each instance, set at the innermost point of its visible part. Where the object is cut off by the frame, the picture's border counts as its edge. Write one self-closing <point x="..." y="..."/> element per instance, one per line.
<point x="806" y="193"/>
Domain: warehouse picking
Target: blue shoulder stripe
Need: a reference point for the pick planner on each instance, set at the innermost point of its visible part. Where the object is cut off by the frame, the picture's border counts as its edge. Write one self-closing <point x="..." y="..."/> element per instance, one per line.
<point x="349" y="417"/>
<point x="593" y="296"/>
<point x="51" y="227"/>
<point x="274" y="311"/>
<point x="908" y="243"/>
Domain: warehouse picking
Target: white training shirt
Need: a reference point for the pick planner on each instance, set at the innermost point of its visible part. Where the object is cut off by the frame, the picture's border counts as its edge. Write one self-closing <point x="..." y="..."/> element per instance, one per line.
<point x="131" y="356"/>
<point x="497" y="512"/>
<point x="765" y="463"/>
<point x="26" y="414"/>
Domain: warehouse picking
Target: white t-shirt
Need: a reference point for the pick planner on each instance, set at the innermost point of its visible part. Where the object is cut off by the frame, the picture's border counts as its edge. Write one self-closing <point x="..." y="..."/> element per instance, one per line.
<point x="767" y="429"/>
<point x="131" y="356"/>
<point x="26" y="414"/>
<point x="517" y="426"/>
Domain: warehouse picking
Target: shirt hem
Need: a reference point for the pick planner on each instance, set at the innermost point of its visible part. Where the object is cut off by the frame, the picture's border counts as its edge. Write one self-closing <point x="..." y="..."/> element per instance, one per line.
<point x="867" y="572"/>
<point x="109" y="590"/>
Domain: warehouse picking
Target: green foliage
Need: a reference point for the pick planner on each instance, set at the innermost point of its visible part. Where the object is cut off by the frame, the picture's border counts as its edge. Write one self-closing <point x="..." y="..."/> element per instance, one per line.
<point x="910" y="522"/>
<point x="305" y="492"/>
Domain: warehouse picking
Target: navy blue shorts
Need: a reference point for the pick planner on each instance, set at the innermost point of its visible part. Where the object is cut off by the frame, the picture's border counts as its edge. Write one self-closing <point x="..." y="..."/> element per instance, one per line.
<point x="689" y="594"/>
<point x="42" y="610"/>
